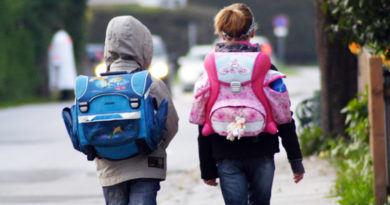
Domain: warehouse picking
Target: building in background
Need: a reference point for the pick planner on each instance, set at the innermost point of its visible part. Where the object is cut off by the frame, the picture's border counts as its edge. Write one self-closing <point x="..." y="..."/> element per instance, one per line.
<point x="150" y="3"/>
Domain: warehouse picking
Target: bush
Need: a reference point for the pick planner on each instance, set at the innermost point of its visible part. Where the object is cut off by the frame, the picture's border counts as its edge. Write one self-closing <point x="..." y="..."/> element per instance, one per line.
<point x="17" y="57"/>
<point x="309" y="130"/>
<point x="352" y="157"/>
<point x="366" y="22"/>
<point x="311" y="140"/>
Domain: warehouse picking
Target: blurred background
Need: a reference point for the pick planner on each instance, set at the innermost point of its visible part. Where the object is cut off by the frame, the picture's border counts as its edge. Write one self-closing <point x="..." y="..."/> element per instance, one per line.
<point x="327" y="48"/>
<point x="28" y="27"/>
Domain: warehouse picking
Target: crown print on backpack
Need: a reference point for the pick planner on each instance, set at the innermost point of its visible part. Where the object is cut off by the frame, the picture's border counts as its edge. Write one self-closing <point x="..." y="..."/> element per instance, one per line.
<point x="234" y="67"/>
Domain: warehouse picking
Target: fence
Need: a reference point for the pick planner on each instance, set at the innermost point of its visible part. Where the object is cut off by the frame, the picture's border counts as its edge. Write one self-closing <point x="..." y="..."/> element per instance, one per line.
<point x="371" y="75"/>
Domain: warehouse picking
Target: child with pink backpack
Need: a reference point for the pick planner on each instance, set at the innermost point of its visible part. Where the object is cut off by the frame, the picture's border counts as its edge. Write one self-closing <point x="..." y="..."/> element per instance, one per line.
<point x="242" y="107"/>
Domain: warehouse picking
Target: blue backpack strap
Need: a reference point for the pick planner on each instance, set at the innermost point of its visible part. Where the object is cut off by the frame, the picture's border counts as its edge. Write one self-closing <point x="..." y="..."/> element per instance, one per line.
<point x="81" y="86"/>
<point x="141" y="78"/>
<point x="160" y="121"/>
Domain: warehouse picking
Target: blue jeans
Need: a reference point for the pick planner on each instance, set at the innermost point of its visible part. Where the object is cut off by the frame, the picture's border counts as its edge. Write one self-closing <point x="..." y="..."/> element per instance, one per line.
<point x="132" y="192"/>
<point x="247" y="181"/>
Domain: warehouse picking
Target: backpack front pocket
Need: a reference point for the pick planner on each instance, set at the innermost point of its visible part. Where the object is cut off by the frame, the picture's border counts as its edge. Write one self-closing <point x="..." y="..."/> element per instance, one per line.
<point x="111" y="130"/>
<point x="222" y="117"/>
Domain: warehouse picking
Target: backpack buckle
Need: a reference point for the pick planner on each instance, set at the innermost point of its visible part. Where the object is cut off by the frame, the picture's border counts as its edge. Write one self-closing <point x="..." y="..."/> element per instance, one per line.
<point x="235" y="86"/>
<point x="84" y="107"/>
<point x="135" y="103"/>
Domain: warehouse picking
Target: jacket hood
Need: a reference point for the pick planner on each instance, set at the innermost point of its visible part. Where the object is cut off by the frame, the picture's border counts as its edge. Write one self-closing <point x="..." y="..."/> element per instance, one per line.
<point x="128" y="44"/>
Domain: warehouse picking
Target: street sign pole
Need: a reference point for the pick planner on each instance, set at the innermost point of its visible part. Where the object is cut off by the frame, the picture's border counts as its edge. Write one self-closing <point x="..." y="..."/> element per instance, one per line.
<point x="280" y="24"/>
<point x="192" y="34"/>
<point x="281" y="50"/>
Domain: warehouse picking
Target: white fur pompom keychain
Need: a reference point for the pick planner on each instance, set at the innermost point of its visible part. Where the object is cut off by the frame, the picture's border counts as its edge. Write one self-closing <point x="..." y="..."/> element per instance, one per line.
<point x="236" y="129"/>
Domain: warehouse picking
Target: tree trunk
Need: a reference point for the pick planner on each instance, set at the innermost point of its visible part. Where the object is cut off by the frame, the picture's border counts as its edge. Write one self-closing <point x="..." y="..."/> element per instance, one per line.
<point x="338" y="74"/>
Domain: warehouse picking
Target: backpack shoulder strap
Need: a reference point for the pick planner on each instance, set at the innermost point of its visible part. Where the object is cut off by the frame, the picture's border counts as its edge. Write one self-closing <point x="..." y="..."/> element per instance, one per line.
<point x="140" y="82"/>
<point x="261" y="67"/>
<point x="209" y="64"/>
<point x="81" y="86"/>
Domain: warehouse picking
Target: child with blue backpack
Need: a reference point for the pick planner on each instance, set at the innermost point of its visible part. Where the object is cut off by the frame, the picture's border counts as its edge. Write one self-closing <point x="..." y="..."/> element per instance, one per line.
<point x="128" y="47"/>
<point x="242" y="108"/>
<point x="124" y="119"/>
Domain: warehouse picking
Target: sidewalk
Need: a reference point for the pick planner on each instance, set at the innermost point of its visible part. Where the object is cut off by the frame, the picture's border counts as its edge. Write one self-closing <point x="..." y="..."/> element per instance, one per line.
<point x="184" y="186"/>
<point x="42" y="167"/>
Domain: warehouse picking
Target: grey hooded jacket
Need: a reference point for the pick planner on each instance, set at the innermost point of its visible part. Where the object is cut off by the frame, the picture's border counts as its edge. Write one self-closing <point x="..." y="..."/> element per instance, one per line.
<point x="128" y="46"/>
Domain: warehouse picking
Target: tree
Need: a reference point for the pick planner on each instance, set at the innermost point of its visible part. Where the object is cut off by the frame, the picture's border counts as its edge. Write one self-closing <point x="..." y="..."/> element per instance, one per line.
<point x="366" y="22"/>
<point x="338" y="73"/>
<point x="339" y="23"/>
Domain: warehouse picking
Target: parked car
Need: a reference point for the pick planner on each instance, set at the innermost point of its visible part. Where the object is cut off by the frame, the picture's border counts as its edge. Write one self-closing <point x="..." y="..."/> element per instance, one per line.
<point x="191" y="66"/>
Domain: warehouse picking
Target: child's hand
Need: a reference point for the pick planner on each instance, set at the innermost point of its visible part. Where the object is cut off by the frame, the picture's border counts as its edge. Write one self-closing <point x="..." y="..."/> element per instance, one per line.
<point x="298" y="178"/>
<point x="210" y="182"/>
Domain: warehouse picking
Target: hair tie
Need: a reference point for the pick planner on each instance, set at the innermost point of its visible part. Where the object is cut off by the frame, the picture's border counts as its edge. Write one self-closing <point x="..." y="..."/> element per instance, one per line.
<point x="243" y="36"/>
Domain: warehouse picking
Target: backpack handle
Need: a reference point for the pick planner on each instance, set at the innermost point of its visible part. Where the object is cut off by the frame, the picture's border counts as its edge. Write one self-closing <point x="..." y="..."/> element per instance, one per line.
<point x="113" y="73"/>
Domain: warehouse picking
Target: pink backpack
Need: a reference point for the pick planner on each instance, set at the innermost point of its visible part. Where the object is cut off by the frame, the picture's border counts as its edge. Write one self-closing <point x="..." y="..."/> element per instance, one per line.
<point x="235" y="99"/>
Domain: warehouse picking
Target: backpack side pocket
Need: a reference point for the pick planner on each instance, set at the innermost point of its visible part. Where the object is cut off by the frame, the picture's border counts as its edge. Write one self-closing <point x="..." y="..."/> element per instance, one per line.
<point x="278" y="97"/>
<point x="71" y="127"/>
<point x="160" y="122"/>
<point x="202" y="94"/>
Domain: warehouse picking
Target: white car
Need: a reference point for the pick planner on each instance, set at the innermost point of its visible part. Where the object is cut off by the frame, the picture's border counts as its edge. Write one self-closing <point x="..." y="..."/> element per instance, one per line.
<point x="191" y="66"/>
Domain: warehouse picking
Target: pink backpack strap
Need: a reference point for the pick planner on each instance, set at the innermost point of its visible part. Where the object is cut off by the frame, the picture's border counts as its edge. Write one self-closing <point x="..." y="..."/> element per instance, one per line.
<point x="262" y="65"/>
<point x="209" y="64"/>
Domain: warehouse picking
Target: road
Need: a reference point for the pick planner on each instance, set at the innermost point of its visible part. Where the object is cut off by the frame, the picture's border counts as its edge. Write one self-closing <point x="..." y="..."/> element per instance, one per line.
<point x="39" y="165"/>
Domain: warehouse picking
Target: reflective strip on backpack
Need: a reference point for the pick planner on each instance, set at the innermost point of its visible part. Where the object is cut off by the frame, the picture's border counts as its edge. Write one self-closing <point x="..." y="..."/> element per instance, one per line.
<point x="249" y="126"/>
<point x="146" y="95"/>
<point x="115" y="116"/>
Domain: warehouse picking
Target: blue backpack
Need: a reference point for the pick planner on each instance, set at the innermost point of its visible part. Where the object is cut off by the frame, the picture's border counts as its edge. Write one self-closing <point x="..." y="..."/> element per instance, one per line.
<point x="114" y="117"/>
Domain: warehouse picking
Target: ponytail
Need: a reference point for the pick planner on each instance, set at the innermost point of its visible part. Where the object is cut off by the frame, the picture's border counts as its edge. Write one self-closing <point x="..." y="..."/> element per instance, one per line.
<point x="235" y="22"/>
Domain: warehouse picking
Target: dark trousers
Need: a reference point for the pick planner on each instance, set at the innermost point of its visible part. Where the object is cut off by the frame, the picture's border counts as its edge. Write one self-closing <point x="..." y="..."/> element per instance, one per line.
<point x="247" y="181"/>
<point x="132" y="192"/>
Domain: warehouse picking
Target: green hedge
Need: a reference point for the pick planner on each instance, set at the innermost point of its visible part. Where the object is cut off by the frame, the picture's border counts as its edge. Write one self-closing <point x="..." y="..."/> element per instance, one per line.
<point x="25" y="34"/>
<point x="17" y="58"/>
